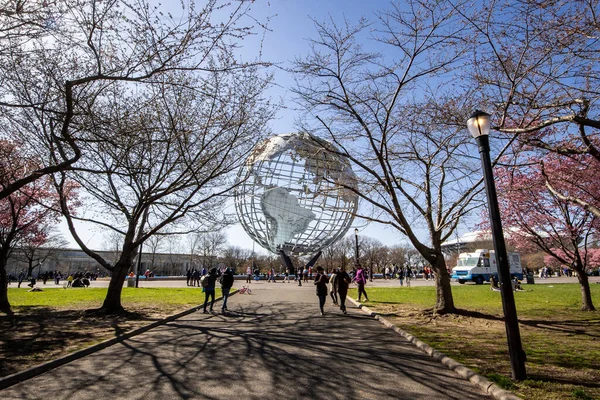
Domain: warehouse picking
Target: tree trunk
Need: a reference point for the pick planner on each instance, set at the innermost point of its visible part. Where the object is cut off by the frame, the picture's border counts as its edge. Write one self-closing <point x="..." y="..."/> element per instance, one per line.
<point x="444" y="300"/>
<point x="112" y="301"/>
<point x="30" y="269"/>
<point x="4" y="303"/>
<point x="586" y="295"/>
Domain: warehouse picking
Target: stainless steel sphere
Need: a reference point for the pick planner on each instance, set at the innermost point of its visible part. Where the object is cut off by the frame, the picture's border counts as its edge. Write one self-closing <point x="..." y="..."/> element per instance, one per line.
<point x="293" y="194"/>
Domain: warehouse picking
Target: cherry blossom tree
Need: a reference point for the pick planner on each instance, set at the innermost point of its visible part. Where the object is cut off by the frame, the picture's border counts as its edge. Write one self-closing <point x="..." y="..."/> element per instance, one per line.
<point x="534" y="215"/>
<point x="26" y="214"/>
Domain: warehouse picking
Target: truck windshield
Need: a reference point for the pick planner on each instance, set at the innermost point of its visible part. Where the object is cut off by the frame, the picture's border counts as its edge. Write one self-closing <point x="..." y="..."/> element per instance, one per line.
<point x="468" y="262"/>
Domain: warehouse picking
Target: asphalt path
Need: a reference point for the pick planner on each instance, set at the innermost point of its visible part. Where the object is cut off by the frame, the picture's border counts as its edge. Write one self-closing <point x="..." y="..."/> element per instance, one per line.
<point x="273" y="344"/>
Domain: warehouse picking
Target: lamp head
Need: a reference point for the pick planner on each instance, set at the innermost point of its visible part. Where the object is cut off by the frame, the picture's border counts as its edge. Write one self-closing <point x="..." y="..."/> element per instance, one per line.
<point x="356" y="231"/>
<point x="479" y="124"/>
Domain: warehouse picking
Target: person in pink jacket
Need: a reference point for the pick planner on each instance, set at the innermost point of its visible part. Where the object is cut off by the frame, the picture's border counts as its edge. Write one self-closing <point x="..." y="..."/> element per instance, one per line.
<point x="361" y="279"/>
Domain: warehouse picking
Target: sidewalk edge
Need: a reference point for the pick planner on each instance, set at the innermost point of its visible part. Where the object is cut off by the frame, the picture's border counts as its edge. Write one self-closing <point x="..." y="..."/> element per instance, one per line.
<point x="486" y="385"/>
<point x="32" y="372"/>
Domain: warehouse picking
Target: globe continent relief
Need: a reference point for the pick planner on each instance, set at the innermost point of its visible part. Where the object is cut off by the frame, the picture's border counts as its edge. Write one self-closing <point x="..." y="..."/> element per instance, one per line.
<point x="295" y="193"/>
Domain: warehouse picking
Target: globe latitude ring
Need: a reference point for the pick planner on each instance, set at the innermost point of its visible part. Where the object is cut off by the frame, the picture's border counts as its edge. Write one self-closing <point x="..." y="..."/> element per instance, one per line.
<point x="296" y="193"/>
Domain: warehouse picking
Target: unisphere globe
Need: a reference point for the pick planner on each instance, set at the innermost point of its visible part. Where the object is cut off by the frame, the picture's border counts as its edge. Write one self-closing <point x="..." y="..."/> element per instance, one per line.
<point x="296" y="193"/>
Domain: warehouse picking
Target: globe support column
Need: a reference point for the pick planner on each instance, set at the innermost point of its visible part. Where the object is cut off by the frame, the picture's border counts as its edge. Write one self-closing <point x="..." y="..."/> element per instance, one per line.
<point x="287" y="261"/>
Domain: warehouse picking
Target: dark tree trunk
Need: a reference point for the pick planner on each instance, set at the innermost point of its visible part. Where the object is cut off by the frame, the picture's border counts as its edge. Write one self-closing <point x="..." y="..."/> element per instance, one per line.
<point x="4" y="303"/>
<point x="586" y="295"/>
<point x="444" y="300"/>
<point x="112" y="301"/>
<point x="30" y="269"/>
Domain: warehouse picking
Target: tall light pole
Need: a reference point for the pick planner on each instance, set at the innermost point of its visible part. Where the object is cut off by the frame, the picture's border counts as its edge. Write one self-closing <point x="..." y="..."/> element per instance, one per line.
<point x="479" y="127"/>
<point x="138" y="267"/>
<point x="356" y="247"/>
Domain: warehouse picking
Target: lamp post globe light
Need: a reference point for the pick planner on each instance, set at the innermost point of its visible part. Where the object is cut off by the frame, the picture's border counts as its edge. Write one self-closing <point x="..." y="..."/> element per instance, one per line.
<point x="479" y="127"/>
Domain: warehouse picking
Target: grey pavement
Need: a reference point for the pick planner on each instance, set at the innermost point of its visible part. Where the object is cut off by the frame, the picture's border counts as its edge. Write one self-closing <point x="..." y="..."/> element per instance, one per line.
<point x="273" y="344"/>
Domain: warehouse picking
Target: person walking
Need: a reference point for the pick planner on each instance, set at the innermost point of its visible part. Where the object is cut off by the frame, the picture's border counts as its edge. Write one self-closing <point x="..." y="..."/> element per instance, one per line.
<point x="209" y="288"/>
<point x="226" y="284"/>
<point x="400" y="272"/>
<point x="20" y="278"/>
<point x="407" y="275"/>
<point x="320" y="282"/>
<point x="286" y="277"/>
<point x="361" y="281"/>
<point x="332" y="287"/>
<point x="300" y="276"/>
<point x="342" y="280"/>
<point x="249" y="274"/>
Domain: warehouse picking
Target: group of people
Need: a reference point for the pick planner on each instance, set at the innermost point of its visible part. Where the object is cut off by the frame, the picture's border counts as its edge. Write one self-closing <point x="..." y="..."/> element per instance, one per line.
<point x="209" y="283"/>
<point x="82" y="278"/>
<point x="337" y="285"/>
<point x="193" y="276"/>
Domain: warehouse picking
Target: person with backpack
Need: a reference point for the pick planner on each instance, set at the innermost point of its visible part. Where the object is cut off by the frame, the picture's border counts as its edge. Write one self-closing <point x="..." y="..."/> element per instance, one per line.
<point x="321" y="281"/>
<point x="226" y="281"/>
<point x="208" y="285"/>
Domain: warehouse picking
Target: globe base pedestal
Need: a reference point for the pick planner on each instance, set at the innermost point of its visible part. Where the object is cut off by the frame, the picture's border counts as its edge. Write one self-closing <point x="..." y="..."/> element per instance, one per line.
<point x="287" y="261"/>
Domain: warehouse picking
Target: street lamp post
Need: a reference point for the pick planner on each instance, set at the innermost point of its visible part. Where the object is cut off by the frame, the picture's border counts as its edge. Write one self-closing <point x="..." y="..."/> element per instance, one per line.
<point x="138" y="267"/>
<point x="479" y="127"/>
<point x="356" y="247"/>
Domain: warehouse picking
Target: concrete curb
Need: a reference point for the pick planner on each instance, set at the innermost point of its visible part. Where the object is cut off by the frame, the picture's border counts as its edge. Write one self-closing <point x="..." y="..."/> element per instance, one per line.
<point x="32" y="372"/>
<point x="486" y="385"/>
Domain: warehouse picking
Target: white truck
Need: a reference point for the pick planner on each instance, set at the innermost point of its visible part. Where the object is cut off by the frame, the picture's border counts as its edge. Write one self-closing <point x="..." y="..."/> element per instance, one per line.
<point x="481" y="265"/>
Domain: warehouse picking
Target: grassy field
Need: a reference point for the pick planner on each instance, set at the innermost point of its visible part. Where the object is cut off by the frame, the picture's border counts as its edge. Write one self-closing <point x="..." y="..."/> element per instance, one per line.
<point x="562" y="343"/>
<point x="59" y="298"/>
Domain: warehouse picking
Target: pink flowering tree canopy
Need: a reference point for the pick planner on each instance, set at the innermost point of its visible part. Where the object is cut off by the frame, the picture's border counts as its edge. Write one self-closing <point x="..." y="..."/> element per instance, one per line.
<point x="535" y="216"/>
<point x="26" y="214"/>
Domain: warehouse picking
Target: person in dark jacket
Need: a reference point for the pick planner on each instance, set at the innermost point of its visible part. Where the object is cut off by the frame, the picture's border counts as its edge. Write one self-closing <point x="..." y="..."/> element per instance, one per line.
<point x="342" y="280"/>
<point x="209" y="289"/>
<point x="321" y="281"/>
<point x="226" y="284"/>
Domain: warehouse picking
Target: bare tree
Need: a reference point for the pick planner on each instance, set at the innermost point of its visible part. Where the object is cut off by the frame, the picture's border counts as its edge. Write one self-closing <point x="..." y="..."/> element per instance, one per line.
<point x="415" y="171"/>
<point x="339" y="254"/>
<point x="536" y="68"/>
<point x="210" y="246"/>
<point x="235" y="258"/>
<point x="165" y="155"/>
<point x="152" y="246"/>
<point x="398" y="255"/>
<point x="57" y="57"/>
<point x="36" y="254"/>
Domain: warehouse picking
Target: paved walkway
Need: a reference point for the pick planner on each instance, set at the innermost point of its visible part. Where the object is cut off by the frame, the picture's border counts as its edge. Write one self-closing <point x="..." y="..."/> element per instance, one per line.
<point x="273" y="344"/>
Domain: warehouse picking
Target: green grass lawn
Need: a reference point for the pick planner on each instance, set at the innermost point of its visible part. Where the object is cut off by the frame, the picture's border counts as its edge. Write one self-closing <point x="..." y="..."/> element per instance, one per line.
<point x="536" y="301"/>
<point x="88" y="298"/>
<point x="562" y="343"/>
